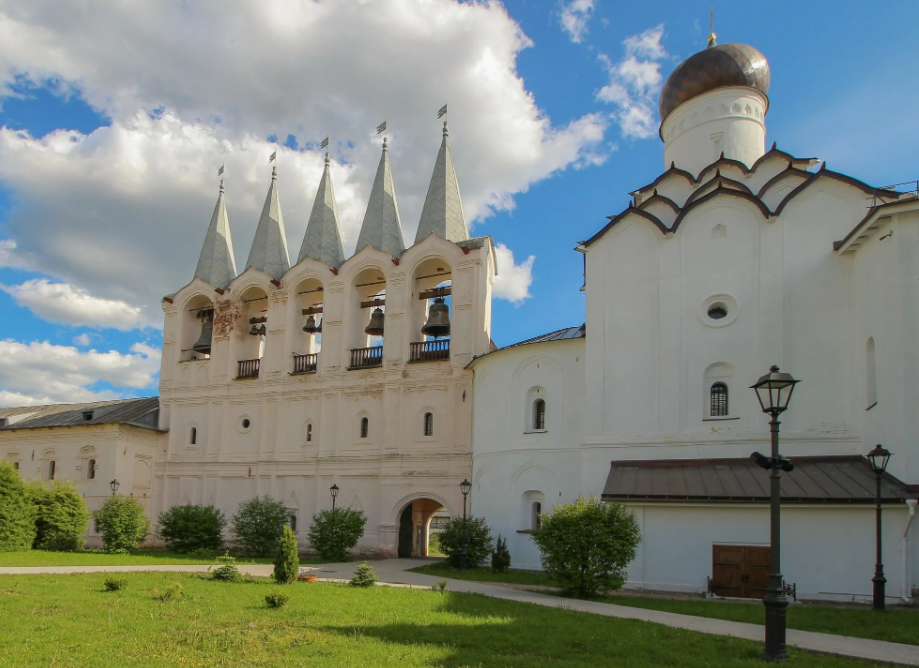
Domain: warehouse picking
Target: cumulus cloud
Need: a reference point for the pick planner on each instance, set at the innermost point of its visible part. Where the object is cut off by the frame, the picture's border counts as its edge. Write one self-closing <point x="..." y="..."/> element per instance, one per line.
<point x="513" y="280"/>
<point x="635" y="82"/>
<point x="574" y="17"/>
<point x="69" y="305"/>
<point x="42" y="373"/>
<point x="81" y="340"/>
<point x="8" y="257"/>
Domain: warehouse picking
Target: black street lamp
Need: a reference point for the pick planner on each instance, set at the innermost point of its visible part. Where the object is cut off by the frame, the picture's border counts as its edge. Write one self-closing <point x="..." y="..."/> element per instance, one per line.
<point x="465" y="486"/>
<point x="878" y="459"/>
<point x="333" y="490"/>
<point x="114" y="485"/>
<point x="773" y="392"/>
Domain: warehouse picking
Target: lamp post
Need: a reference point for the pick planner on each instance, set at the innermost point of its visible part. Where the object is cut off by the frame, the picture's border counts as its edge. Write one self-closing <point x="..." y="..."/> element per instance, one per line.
<point x="878" y="459"/>
<point x="333" y="490"/>
<point x="114" y="486"/>
<point x="773" y="392"/>
<point x="465" y="486"/>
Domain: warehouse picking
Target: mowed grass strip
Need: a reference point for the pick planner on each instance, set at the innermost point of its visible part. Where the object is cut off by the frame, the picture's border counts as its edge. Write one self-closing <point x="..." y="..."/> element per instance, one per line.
<point x="69" y="620"/>
<point x="32" y="558"/>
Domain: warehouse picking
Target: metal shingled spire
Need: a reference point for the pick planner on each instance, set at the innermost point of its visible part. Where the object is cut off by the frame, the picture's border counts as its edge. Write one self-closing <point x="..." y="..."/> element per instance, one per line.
<point x="217" y="265"/>
<point x="322" y="240"/>
<point x="269" y="247"/>
<point x="443" y="207"/>
<point x="382" y="228"/>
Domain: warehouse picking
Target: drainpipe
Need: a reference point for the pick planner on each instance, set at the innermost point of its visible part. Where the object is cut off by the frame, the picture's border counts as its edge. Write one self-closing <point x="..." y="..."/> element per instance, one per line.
<point x="906" y="587"/>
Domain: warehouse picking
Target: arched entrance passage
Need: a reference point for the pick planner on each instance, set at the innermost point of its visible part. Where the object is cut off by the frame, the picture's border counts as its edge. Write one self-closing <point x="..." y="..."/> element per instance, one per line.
<point x="415" y="527"/>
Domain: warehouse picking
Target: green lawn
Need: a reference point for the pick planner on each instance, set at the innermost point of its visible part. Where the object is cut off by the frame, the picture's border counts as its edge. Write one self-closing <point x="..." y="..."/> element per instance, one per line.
<point x="68" y="619"/>
<point x="135" y="558"/>
<point x="441" y="569"/>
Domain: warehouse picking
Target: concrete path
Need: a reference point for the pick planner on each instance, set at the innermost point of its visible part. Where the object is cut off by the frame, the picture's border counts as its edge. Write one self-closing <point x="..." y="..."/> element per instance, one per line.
<point x="393" y="572"/>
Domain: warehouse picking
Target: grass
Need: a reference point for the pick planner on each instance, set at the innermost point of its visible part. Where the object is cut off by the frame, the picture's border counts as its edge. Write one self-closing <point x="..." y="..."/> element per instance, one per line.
<point x="441" y="569"/>
<point x="138" y="557"/>
<point x="70" y="619"/>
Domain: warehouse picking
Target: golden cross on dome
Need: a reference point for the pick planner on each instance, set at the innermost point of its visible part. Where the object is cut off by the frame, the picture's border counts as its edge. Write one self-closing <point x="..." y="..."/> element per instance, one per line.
<point x="711" y="30"/>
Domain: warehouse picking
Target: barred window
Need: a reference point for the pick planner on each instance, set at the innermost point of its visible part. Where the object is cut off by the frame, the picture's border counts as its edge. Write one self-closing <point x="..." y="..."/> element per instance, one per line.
<point x="365" y="427"/>
<point x="429" y="424"/>
<point x="91" y="469"/>
<point x="539" y="414"/>
<point x="193" y="438"/>
<point x="309" y="433"/>
<point x="719" y="405"/>
<point x="51" y="467"/>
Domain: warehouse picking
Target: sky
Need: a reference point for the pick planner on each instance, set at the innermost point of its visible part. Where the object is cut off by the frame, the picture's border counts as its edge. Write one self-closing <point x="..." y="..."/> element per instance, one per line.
<point x="115" y="116"/>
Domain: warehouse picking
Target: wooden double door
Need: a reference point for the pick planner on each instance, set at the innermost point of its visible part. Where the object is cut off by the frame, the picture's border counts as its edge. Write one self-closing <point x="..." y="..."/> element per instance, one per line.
<point x="740" y="571"/>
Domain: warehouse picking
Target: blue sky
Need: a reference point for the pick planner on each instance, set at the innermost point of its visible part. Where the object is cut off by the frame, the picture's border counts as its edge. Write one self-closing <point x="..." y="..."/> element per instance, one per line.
<point x="110" y="141"/>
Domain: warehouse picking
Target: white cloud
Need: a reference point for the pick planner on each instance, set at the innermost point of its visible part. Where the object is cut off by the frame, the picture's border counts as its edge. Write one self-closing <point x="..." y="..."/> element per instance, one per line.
<point x="8" y="257"/>
<point x="41" y="373"/>
<point x="81" y="340"/>
<point x="574" y="17"/>
<point x="64" y="303"/>
<point x="635" y="82"/>
<point x="513" y="280"/>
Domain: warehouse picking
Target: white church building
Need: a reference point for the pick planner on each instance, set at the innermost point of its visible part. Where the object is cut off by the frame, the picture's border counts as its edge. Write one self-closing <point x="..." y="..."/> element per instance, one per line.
<point x="376" y="373"/>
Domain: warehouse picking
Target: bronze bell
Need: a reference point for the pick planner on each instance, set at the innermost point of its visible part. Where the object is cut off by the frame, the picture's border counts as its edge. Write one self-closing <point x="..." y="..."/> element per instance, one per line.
<point x="254" y="330"/>
<point x="203" y="344"/>
<point x="310" y="325"/>
<point x="375" y="328"/>
<point x="438" y="323"/>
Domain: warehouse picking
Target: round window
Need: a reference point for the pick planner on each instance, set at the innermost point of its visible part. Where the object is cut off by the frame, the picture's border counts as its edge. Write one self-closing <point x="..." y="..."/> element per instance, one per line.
<point x="246" y="423"/>
<point x="717" y="311"/>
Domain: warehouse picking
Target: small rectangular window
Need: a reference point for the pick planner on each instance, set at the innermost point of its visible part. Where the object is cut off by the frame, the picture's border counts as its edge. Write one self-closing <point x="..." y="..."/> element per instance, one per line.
<point x="719" y="400"/>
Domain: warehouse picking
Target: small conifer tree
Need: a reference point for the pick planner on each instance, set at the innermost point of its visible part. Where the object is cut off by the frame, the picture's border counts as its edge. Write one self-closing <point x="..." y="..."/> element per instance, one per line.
<point x="287" y="563"/>
<point x="501" y="557"/>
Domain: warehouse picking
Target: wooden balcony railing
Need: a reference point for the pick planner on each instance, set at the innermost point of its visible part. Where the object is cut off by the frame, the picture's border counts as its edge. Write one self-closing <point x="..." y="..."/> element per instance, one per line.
<point x="429" y="351"/>
<point x="362" y="358"/>
<point x="305" y="363"/>
<point x="247" y="368"/>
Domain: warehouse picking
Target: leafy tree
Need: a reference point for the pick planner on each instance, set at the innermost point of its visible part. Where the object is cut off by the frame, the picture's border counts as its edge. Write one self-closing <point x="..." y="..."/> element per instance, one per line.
<point x="501" y="557"/>
<point x="334" y="532"/>
<point x="259" y="524"/>
<point x="122" y="522"/>
<point x="586" y="545"/>
<point x="192" y="527"/>
<point x="17" y="513"/>
<point x="61" y="516"/>
<point x="287" y="563"/>
<point x="478" y="541"/>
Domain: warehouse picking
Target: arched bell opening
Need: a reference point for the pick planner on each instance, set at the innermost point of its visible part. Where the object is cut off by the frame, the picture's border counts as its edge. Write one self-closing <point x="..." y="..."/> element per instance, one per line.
<point x="197" y="329"/>
<point x="308" y="303"/>
<point x="251" y="332"/>
<point x="369" y="318"/>
<point x="432" y="286"/>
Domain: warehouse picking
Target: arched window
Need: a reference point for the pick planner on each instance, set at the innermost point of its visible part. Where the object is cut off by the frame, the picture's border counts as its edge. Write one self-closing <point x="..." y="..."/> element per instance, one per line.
<point x="536" y="520"/>
<point x="51" y="467"/>
<point x="193" y="437"/>
<point x="539" y="414"/>
<point x="365" y="427"/>
<point x="309" y="432"/>
<point x="293" y="522"/>
<point x="719" y="400"/>
<point x="429" y="424"/>
<point x="91" y="469"/>
<point x="16" y="465"/>
<point x="872" y="380"/>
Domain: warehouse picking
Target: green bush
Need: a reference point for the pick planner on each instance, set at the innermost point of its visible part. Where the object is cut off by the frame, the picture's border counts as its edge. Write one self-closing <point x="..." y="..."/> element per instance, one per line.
<point x="115" y="584"/>
<point x="276" y="599"/>
<point x="364" y="576"/>
<point x="334" y="532"/>
<point x="122" y="522"/>
<point x="259" y="524"/>
<point x="586" y="545"/>
<point x="17" y="513"/>
<point x="173" y="592"/>
<point x="192" y="527"/>
<point x="61" y="516"/>
<point x="501" y="557"/>
<point x="287" y="563"/>
<point x="478" y="541"/>
<point x="227" y="571"/>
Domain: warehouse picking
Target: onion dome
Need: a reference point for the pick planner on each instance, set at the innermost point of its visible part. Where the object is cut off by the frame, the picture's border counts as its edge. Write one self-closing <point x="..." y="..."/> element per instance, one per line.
<point x="715" y="67"/>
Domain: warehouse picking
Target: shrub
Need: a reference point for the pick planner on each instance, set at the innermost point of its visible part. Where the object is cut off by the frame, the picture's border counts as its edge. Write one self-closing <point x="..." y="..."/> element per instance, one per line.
<point x="478" y="541"/>
<point x="259" y="524"/>
<point x="173" y="591"/>
<point x="17" y="514"/>
<point x="333" y="533"/>
<point x="586" y="545"/>
<point x="115" y="584"/>
<point x="192" y="527"/>
<point x="227" y="571"/>
<point x="122" y="522"/>
<point x="61" y="516"/>
<point x="501" y="557"/>
<point x="364" y="576"/>
<point x="287" y="563"/>
<point x="276" y="599"/>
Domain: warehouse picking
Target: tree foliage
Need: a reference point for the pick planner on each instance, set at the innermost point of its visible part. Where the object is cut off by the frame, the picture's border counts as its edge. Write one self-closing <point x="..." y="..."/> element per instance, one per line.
<point x="192" y="527"/>
<point x="478" y="541"/>
<point x="334" y="532"/>
<point x="61" y="516"/>
<point x="122" y="522"/>
<point x="17" y="513"/>
<point x="287" y="562"/>
<point x="501" y="557"/>
<point x="364" y="576"/>
<point x="586" y="545"/>
<point x="259" y="524"/>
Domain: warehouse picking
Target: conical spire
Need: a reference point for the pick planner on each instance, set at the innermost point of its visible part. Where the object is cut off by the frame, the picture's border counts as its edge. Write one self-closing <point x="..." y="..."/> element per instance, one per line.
<point x="217" y="265"/>
<point x="382" y="227"/>
<point x="443" y="207"/>
<point x="269" y="247"/>
<point x="322" y="240"/>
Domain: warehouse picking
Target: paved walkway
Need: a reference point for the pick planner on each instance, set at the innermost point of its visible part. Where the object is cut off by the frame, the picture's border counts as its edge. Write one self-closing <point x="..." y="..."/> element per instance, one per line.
<point x="394" y="572"/>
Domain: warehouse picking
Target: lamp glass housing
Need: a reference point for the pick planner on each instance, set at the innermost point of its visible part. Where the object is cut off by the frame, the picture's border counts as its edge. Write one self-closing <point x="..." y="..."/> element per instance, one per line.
<point x="465" y="486"/>
<point x="878" y="458"/>
<point x="333" y="490"/>
<point x="114" y="485"/>
<point x="774" y="391"/>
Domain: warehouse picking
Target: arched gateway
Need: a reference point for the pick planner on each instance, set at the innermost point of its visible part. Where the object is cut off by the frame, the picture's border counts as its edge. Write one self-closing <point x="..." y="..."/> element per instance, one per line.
<point x="415" y="526"/>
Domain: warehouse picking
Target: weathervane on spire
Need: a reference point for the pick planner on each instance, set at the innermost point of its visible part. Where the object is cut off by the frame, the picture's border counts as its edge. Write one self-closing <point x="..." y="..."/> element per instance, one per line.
<point x="711" y="29"/>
